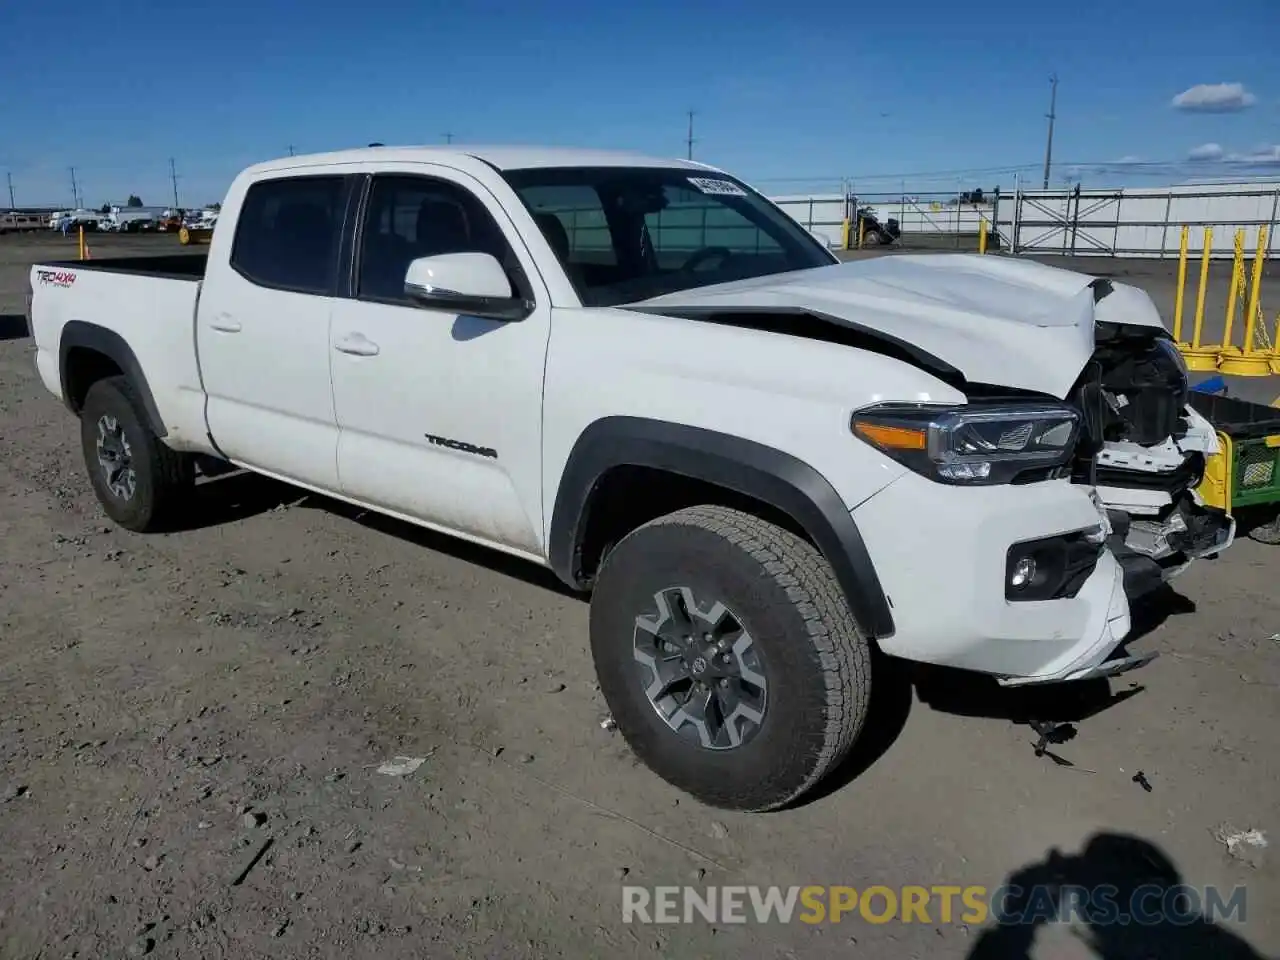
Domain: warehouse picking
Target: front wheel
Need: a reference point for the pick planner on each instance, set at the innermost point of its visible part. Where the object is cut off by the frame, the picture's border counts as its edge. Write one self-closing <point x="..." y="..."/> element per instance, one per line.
<point x="140" y="482"/>
<point x="728" y="656"/>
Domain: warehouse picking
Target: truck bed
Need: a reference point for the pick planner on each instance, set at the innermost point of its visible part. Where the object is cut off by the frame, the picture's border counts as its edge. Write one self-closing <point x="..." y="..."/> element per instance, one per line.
<point x="173" y="266"/>
<point x="143" y="305"/>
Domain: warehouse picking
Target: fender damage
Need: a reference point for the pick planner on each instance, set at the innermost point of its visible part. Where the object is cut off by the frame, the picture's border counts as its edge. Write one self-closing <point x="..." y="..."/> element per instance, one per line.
<point x="995" y="327"/>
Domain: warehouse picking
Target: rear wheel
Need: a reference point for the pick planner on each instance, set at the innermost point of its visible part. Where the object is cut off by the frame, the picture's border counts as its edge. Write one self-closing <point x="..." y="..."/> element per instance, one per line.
<point x="728" y="656"/>
<point x="141" y="484"/>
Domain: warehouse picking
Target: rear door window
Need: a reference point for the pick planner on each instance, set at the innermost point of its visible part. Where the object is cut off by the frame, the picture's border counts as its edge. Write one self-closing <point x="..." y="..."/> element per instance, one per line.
<point x="288" y="231"/>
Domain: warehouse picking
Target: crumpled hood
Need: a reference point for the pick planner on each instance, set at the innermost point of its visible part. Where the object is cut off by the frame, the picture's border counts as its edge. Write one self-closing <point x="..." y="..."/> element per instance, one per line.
<point x="997" y="320"/>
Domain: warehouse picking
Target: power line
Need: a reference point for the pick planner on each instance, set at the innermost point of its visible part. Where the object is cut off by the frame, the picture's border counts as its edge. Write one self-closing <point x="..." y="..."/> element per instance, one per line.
<point x="1048" y="147"/>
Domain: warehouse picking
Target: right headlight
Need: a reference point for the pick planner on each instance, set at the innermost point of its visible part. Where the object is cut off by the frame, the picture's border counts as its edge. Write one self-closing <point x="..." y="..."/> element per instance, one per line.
<point x="972" y="444"/>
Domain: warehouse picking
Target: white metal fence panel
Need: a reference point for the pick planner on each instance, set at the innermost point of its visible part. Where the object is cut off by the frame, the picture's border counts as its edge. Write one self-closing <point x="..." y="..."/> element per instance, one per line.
<point x="1134" y="222"/>
<point x="1141" y="222"/>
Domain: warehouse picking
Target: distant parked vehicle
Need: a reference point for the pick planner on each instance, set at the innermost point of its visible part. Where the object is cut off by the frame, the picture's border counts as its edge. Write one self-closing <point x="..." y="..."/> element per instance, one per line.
<point x="198" y="227"/>
<point x="75" y="219"/>
<point x="873" y="232"/>
<point x="20" y="222"/>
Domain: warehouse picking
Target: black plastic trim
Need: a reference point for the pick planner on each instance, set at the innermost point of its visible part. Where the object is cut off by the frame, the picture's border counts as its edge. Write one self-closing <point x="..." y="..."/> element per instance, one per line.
<point x="1141" y="574"/>
<point x="348" y="243"/>
<point x="77" y="334"/>
<point x="168" y="266"/>
<point x="742" y="466"/>
<point x="1063" y="564"/>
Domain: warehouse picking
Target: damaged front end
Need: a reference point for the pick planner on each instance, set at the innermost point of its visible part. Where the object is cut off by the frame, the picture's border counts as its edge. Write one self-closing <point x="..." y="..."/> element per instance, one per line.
<point x="1143" y="449"/>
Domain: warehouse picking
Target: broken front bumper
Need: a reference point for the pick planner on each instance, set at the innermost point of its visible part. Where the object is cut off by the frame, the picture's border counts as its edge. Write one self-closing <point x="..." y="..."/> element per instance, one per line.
<point x="1154" y="550"/>
<point x="944" y="556"/>
<point x="1149" y="553"/>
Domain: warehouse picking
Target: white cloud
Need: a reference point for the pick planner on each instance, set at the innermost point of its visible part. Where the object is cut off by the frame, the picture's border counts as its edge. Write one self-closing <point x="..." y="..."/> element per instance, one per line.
<point x="1206" y="151"/>
<point x="1214" y="98"/>
<point x="1261" y="160"/>
<point x="1265" y="156"/>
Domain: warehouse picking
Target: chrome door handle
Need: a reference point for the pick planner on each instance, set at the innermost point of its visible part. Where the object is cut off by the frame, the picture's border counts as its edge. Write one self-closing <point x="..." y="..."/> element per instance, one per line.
<point x="357" y="345"/>
<point x="225" y="325"/>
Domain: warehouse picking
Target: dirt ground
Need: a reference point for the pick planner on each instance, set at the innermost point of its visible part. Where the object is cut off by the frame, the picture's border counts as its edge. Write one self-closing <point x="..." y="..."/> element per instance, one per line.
<point x="191" y="728"/>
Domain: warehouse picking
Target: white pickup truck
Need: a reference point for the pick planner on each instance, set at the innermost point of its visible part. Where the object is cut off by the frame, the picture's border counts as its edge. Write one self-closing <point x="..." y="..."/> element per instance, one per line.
<point x="770" y="468"/>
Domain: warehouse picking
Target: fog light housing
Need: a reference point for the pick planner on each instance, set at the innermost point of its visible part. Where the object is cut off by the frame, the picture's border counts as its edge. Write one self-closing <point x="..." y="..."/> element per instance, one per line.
<point x="1052" y="568"/>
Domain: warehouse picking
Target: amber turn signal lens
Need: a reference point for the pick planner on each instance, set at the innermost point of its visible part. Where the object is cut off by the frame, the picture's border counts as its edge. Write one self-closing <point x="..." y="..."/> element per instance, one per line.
<point x="891" y="438"/>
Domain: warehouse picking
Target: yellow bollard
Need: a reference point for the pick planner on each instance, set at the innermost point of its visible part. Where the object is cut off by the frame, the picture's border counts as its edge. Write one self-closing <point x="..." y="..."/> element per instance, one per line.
<point x="1199" y="358"/>
<point x="1274" y="358"/>
<point x="1255" y="290"/>
<point x="1182" y="286"/>
<point x="1233" y="295"/>
<point x="845" y="233"/>
<point x="81" y="234"/>
<point x="1242" y="361"/>
<point x="1232" y="360"/>
<point x="862" y="232"/>
<point x="982" y="235"/>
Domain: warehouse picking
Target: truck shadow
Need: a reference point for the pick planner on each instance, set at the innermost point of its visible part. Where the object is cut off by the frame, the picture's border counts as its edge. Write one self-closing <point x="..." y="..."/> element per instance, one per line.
<point x="13" y="326"/>
<point x="896" y="684"/>
<point x="229" y="495"/>
<point x="1120" y="897"/>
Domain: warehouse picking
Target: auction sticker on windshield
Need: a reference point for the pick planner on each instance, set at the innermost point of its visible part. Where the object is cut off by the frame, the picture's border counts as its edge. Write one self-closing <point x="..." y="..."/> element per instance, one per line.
<point x="721" y="188"/>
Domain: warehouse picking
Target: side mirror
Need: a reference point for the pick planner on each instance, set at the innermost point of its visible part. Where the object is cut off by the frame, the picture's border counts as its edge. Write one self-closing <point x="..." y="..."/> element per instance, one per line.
<point x="470" y="283"/>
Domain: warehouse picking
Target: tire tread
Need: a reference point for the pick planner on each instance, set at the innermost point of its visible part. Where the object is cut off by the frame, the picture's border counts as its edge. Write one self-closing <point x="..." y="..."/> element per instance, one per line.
<point x="172" y="474"/>
<point x="844" y="657"/>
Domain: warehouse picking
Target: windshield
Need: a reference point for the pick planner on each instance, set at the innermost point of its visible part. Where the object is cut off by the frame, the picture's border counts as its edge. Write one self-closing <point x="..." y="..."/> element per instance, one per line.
<point x="625" y="234"/>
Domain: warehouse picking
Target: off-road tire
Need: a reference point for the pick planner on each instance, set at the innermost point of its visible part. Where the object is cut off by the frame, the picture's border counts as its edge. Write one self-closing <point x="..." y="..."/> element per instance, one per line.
<point x="164" y="479"/>
<point x="787" y="597"/>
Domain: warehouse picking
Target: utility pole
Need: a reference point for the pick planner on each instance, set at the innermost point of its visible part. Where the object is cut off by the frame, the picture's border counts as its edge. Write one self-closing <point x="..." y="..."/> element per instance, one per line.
<point x="173" y="175"/>
<point x="291" y="150"/>
<point x="1052" y="115"/>
<point x="12" y="205"/>
<point x="448" y="138"/>
<point x="75" y="190"/>
<point x="689" y="139"/>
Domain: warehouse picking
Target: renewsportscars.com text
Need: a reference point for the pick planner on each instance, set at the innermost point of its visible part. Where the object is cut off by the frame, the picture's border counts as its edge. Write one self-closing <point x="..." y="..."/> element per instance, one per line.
<point x="1101" y="905"/>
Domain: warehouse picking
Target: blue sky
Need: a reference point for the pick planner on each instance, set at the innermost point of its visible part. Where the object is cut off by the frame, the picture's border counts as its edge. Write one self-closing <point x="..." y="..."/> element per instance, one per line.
<point x="791" y="97"/>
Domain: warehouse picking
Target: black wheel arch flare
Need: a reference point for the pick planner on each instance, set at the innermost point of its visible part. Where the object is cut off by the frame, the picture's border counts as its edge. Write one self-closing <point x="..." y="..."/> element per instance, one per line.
<point x="78" y="334"/>
<point x="745" y="467"/>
